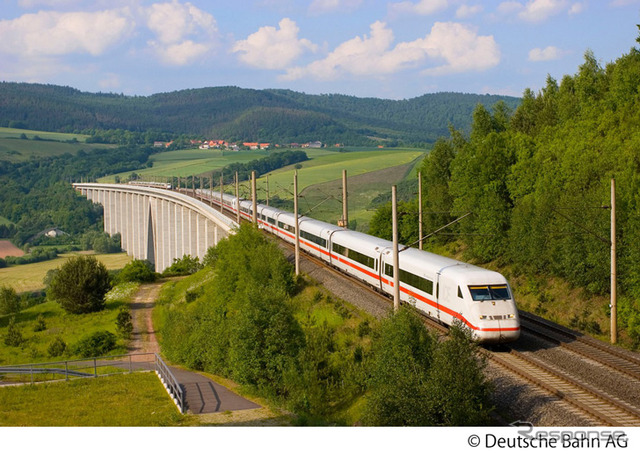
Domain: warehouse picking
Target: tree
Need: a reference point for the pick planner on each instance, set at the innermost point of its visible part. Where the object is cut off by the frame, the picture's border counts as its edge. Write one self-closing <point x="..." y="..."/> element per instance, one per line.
<point x="13" y="338"/>
<point x="402" y="358"/>
<point x="80" y="285"/>
<point x="9" y="300"/>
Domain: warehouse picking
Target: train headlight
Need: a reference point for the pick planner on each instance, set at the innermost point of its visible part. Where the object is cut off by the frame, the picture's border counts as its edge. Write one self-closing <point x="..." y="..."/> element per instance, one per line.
<point x="483" y="317"/>
<point x="512" y="316"/>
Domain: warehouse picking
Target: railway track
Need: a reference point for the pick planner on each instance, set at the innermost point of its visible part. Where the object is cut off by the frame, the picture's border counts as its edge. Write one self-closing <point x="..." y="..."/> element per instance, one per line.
<point x="589" y="402"/>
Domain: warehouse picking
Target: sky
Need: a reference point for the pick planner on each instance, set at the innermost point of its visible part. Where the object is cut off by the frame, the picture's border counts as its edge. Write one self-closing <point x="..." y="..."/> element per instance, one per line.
<point x="393" y="49"/>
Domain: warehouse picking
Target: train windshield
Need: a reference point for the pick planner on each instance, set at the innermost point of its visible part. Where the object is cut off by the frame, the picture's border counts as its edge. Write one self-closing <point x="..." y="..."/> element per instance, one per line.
<point x="489" y="292"/>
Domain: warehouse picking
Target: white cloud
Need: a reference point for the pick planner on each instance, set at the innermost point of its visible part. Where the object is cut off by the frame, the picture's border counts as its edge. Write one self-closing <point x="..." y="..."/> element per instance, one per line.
<point x="174" y="24"/>
<point x="466" y="11"/>
<point x="50" y="33"/>
<point x="461" y="48"/>
<point x="456" y="46"/>
<point x="540" y="10"/>
<point x="272" y="48"/>
<point x="422" y="7"/>
<point x="546" y="54"/>
<point x="329" y="6"/>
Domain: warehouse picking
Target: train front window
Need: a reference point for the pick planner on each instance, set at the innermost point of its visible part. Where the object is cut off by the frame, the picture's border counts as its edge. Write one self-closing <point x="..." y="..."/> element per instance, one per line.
<point x="489" y="292"/>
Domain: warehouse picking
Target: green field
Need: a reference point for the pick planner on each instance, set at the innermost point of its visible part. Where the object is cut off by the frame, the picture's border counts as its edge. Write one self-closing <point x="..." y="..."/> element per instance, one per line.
<point x="320" y="182"/>
<point x="70" y="327"/>
<point x="137" y="400"/>
<point x="183" y="163"/>
<point x="15" y="149"/>
<point x="27" y="278"/>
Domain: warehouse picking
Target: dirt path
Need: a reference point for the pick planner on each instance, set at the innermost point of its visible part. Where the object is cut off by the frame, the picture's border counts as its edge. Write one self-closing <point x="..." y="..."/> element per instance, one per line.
<point x="144" y="337"/>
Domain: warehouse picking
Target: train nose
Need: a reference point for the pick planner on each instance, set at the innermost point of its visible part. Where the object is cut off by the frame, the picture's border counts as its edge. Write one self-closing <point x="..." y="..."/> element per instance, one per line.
<point x="499" y="331"/>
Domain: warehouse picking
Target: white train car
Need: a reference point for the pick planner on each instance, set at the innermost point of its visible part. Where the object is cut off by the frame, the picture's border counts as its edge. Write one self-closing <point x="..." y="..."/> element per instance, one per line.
<point x="445" y="289"/>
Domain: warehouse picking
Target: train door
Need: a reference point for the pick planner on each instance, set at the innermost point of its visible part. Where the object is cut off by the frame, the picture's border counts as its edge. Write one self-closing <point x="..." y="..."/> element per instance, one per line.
<point x="437" y="295"/>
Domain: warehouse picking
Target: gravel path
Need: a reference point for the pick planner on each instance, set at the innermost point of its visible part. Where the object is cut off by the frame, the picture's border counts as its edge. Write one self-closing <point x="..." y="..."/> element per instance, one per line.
<point x="144" y="336"/>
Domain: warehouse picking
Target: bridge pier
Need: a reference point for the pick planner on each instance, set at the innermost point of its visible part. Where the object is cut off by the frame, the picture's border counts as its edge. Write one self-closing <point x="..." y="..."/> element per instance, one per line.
<point x="157" y="224"/>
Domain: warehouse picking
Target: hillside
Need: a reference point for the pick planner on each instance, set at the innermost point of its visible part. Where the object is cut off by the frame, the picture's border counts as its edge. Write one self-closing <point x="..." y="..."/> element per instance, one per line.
<point x="243" y="114"/>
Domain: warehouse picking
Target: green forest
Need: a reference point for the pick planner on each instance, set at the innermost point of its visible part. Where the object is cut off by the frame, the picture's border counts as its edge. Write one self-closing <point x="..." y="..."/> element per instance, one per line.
<point x="237" y="114"/>
<point x="537" y="181"/>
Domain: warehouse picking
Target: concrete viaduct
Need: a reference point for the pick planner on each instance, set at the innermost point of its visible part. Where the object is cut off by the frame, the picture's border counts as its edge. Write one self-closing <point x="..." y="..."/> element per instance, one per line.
<point x="158" y="225"/>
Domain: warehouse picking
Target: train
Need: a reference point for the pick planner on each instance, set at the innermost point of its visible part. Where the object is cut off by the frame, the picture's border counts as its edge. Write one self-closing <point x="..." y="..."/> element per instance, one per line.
<point x="444" y="289"/>
<point x="151" y="184"/>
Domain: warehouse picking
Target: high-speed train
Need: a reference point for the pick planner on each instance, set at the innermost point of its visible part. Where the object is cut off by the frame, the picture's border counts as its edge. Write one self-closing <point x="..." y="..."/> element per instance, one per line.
<point x="444" y="289"/>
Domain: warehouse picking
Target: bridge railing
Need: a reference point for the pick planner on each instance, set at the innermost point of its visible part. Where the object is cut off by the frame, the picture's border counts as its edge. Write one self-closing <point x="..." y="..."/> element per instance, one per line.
<point x="91" y="368"/>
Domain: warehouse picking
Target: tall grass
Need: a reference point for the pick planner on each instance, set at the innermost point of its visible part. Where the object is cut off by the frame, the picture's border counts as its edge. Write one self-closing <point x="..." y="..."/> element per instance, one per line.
<point x="137" y="399"/>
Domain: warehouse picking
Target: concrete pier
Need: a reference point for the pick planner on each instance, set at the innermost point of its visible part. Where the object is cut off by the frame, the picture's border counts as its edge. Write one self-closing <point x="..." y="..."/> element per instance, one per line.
<point x="157" y="224"/>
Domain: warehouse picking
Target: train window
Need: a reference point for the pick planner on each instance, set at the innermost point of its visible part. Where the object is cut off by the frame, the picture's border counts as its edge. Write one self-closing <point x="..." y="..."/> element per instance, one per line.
<point x="271" y="220"/>
<point x="460" y="292"/>
<point x="313" y="238"/>
<point x="421" y="283"/>
<point x="354" y="255"/>
<point x="416" y="281"/>
<point x="489" y="292"/>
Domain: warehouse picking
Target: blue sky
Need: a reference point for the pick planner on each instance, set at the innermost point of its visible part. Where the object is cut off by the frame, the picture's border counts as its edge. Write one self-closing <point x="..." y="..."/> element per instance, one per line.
<point x="387" y="49"/>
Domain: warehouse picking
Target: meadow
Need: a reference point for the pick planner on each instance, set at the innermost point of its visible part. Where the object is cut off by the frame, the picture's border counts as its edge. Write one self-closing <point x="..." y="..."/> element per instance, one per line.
<point x="14" y="149"/>
<point x="70" y="327"/>
<point x="29" y="278"/>
<point x="137" y="400"/>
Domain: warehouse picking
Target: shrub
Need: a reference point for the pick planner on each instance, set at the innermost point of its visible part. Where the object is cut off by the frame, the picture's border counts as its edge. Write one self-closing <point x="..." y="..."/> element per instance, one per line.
<point x="97" y="344"/>
<point x="40" y="325"/>
<point x="124" y="323"/>
<point x="80" y="285"/>
<point x="57" y="347"/>
<point x="13" y="338"/>
<point x="138" y="271"/>
<point x="183" y="266"/>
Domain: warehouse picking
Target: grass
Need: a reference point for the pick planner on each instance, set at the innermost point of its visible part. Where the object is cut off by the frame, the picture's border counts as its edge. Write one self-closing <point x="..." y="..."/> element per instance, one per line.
<point x="5" y="221"/>
<point x="70" y="327"/>
<point x="28" y="278"/>
<point x="185" y="163"/>
<point x="14" y="149"/>
<point x="122" y="400"/>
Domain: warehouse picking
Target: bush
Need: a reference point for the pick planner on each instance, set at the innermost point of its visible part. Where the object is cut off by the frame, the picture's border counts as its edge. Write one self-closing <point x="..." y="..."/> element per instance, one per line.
<point x="97" y="344"/>
<point x="124" y="323"/>
<point x="138" y="271"/>
<point x="80" y="285"/>
<point x="13" y="338"/>
<point x="183" y="266"/>
<point x="57" y="347"/>
<point x="40" y="325"/>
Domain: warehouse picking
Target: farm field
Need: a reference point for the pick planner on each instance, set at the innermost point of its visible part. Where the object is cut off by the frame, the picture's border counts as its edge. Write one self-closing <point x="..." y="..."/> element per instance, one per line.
<point x="28" y="278"/>
<point x="14" y="149"/>
<point x="183" y="163"/>
<point x="320" y="182"/>
<point x="8" y="249"/>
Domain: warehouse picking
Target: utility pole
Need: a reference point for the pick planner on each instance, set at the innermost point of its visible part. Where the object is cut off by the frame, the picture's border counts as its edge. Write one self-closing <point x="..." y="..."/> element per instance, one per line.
<point x="254" y="201"/>
<point x="614" y="302"/>
<point x="345" y="209"/>
<point x="295" y="209"/>
<point x="267" y="189"/>
<point x="237" y="199"/>
<point x="221" y="193"/>
<point x="396" y="254"/>
<point x="420" y="210"/>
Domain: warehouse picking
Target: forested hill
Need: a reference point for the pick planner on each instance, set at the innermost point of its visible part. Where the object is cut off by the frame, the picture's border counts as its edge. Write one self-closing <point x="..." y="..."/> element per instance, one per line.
<point x="236" y="114"/>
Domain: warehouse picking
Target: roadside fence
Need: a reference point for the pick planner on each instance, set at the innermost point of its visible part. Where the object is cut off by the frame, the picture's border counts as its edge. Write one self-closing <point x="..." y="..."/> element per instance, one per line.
<point x="92" y="368"/>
